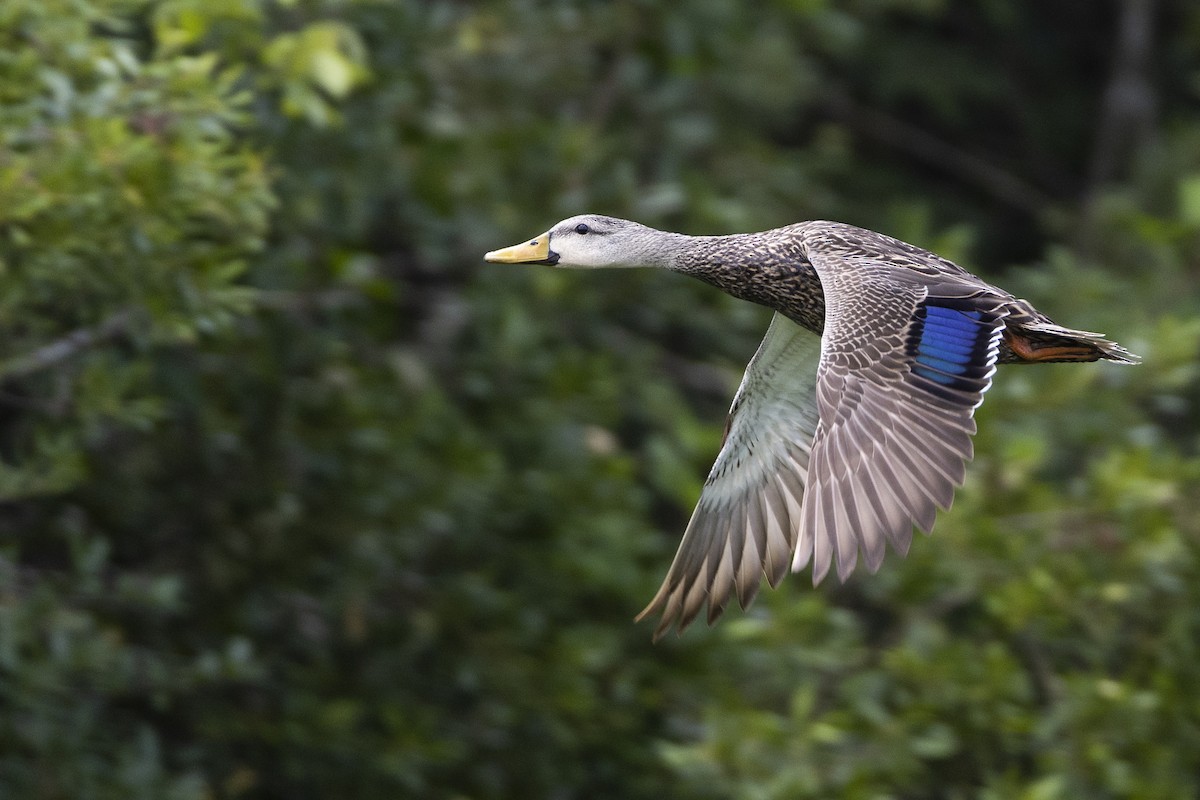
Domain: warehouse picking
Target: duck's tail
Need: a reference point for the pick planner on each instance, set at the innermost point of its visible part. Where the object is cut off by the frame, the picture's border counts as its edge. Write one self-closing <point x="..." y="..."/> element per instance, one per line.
<point x="1038" y="342"/>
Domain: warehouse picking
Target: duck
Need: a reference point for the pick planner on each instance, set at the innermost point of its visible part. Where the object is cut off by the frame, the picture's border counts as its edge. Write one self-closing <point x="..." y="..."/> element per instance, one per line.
<point x="852" y="424"/>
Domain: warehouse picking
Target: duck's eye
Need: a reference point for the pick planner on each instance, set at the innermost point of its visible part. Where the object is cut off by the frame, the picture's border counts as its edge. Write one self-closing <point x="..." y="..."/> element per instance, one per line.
<point x="582" y="228"/>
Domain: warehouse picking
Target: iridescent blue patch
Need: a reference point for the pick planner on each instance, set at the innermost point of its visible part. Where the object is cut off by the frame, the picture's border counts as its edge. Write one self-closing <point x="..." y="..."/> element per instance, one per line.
<point x="949" y="343"/>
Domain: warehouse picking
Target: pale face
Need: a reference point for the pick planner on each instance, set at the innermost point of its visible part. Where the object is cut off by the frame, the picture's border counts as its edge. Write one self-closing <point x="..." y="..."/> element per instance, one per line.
<point x="586" y="241"/>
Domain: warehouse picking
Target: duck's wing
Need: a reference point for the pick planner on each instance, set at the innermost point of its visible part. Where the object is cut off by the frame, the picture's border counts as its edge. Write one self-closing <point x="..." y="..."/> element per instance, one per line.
<point x="903" y="367"/>
<point x="748" y="515"/>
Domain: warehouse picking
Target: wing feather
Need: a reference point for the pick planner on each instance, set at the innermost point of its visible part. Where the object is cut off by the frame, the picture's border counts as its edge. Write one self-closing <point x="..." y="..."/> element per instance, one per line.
<point x="744" y="527"/>
<point x="900" y="375"/>
<point x="842" y="443"/>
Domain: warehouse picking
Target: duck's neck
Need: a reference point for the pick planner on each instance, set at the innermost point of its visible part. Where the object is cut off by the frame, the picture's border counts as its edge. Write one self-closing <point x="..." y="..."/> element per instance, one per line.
<point x="772" y="272"/>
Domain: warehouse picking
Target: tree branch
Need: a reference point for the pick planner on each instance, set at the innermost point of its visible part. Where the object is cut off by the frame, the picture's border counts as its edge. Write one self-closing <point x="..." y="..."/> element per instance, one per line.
<point x="1127" y="115"/>
<point x="49" y="355"/>
<point x="925" y="147"/>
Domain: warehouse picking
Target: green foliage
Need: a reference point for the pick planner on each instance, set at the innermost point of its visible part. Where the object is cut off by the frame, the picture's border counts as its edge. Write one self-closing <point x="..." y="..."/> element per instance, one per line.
<point x="303" y="500"/>
<point x="129" y="208"/>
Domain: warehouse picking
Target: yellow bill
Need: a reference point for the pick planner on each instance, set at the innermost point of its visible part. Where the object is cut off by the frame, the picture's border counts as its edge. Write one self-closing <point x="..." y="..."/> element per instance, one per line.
<point x="535" y="251"/>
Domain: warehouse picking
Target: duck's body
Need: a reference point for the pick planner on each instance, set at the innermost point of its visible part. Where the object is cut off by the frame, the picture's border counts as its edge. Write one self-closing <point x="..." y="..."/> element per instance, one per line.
<point x="840" y="441"/>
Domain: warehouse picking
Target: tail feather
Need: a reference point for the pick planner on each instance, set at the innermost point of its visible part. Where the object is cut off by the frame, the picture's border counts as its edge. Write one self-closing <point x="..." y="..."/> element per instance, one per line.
<point x="1038" y="341"/>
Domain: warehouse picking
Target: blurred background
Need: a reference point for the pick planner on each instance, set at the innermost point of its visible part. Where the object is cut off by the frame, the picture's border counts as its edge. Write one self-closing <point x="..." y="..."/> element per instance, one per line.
<point x="301" y="499"/>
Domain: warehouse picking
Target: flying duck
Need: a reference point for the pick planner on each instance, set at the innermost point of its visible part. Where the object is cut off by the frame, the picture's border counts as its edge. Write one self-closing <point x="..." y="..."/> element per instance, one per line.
<point x="854" y="419"/>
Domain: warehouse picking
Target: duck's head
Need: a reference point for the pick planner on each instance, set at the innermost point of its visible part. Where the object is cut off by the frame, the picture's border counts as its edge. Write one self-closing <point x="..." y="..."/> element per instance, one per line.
<point x="587" y="241"/>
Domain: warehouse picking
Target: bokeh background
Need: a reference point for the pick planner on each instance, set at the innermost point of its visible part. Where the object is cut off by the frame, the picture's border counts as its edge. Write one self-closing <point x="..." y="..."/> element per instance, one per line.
<point x="303" y="500"/>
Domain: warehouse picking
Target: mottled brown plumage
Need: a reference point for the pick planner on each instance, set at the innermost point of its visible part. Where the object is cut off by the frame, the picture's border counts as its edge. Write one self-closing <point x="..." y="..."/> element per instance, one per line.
<point x="840" y="442"/>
